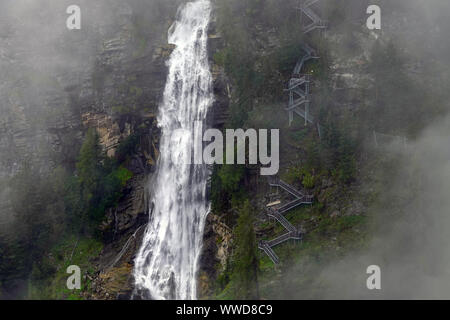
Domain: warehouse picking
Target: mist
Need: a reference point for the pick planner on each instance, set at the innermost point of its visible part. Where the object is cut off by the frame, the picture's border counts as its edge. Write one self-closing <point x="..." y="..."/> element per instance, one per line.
<point x="52" y="77"/>
<point x="410" y="221"/>
<point x="47" y="73"/>
<point x="411" y="231"/>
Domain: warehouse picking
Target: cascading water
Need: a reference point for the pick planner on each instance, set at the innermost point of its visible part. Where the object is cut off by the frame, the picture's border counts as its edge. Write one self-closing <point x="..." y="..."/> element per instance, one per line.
<point x="166" y="264"/>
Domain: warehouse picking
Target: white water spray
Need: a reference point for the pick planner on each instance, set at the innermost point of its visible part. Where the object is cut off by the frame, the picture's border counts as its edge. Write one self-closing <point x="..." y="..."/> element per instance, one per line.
<point x="166" y="264"/>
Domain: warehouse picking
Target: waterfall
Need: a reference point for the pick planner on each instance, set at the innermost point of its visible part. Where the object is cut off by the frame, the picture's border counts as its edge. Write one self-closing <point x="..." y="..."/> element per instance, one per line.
<point x="167" y="262"/>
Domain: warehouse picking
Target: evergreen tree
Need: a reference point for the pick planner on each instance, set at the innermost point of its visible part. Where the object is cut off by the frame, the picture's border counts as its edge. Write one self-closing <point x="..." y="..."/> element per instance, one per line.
<point x="245" y="260"/>
<point x="29" y="198"/>
<point x="89" y="165"/>
<point x="91" y="175"/>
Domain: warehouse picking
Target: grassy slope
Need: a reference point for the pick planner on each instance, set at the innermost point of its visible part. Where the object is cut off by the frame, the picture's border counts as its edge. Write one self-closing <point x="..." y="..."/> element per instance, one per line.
<point x="61" y="257"/>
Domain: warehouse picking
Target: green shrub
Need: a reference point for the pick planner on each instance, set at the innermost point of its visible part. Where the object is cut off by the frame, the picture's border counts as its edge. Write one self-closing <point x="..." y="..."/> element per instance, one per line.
<point x="308" y="181"/>
<point x="123" y="174"/>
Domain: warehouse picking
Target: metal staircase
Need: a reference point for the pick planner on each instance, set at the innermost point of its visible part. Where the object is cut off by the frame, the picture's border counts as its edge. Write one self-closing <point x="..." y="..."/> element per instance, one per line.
<point x="299" y="84"/>
<point x="264" y="245"/>
<point x="278" y="214"/>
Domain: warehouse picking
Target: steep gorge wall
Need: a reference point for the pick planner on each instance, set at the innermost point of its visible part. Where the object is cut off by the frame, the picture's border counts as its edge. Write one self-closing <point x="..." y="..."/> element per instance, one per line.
<point x="57" y="83"/>
<point x="343" y="88"/>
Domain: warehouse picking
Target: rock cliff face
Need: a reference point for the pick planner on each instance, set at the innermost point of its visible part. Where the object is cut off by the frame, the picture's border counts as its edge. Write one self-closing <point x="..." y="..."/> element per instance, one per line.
<point x="216" y="250"/>
<point x="126" y="223"/>
<point x="128" y="83"/>
<point x="217" y="235"/>
<point x="109" y="76"/>
<point x="122" y="101"/>
<point x="347" y="82"/>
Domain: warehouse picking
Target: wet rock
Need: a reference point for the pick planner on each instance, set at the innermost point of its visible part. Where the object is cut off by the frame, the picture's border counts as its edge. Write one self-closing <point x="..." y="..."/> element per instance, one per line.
<point x="216" y="251"/>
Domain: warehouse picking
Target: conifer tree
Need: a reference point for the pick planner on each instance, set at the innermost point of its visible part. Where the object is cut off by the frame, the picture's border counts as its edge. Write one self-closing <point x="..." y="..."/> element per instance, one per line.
<point x="89" y="164"/>
<point x="245" y="260"/>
